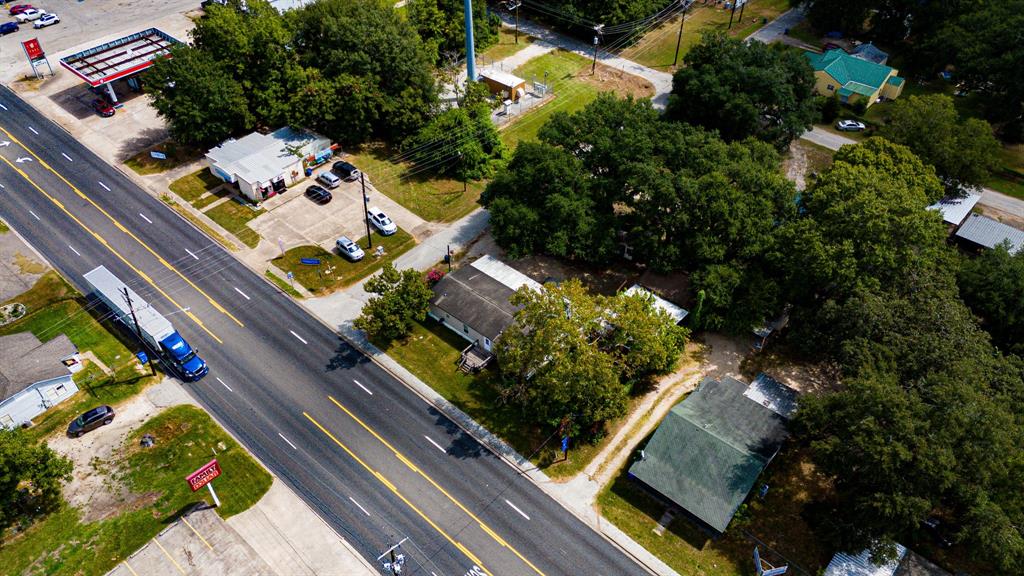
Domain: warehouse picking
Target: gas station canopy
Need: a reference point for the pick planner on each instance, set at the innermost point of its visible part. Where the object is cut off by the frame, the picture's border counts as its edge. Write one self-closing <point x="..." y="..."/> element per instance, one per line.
<point x="119" y="58"/>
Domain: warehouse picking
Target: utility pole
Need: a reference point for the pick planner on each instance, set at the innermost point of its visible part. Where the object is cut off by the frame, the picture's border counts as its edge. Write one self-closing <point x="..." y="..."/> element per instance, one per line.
<point x="467" y="8"/>
<point x="731" y="14"/>
<point x="742" y="6"/>
<point x="366" y="210"/>
<point x="515" y="6"/>
<point x="395" y="560"/>
<point x="138" y="329"/>
<point x="597" y="40"/>
<point x="679" y="40"/>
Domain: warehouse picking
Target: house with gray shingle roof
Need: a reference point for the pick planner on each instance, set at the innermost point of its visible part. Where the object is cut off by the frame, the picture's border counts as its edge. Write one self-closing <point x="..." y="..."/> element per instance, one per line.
<point x="852" y="78"/>
<point x="34" y="375"/>
<point x="709" y="450"/>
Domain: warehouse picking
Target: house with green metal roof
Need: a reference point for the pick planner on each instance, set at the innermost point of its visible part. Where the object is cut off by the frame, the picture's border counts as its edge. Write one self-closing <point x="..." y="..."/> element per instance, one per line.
<point x="852" y="78"/>
<point x="709" y="450"/>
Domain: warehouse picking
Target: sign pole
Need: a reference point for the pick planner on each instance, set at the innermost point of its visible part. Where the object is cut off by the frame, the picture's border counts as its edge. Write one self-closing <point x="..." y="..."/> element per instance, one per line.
<point x="216" y="501"/>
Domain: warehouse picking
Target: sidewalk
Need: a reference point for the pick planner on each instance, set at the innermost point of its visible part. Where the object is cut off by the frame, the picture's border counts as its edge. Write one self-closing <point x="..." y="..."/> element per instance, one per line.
<point x="776" y="29"/>
<point x="989" y="197"/>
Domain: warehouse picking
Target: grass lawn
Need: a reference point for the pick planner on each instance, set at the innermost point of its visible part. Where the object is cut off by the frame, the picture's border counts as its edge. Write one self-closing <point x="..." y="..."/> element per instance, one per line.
<point x="432" y="353"/>
<point x="191" y="186"/>
<point x="571" y="93"/>
<point x="61" y="544"/>
<point x="335" y="272"/>
<point x="1010" y="178"/>
<point x="197" y="222"/>
<point x="806" y="33"/>
<point x="506" y="45"/>
<point x="283" y="285"/>
<point x="142" y="163"/>
<point x="776" y="521"/>
<point x="54" y="308"/>
<point x="429" y="196"/>
<point x="4" y="228"/>
<point x="657" y="48"/>
<point x="233" y="216"/>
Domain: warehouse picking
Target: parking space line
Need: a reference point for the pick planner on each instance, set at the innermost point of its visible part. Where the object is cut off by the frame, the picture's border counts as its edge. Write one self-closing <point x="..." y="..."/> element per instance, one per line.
<point x="169" y="557"/>
<point x="185" y="520"/>
<point x="129" y="567"/>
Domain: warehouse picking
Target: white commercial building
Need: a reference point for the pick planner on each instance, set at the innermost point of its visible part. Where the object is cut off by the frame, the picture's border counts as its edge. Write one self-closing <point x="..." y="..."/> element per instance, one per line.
<point x="263" y="165"/>
<point x="34" y="376"/>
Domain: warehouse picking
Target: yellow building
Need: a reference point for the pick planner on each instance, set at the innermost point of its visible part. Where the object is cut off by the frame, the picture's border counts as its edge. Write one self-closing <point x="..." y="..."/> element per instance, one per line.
<point x="853" y="79"/>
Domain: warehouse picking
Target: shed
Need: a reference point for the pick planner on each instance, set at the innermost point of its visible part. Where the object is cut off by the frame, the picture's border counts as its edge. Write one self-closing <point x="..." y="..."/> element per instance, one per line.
<point x="263" y="165"/>
<point x="34" y="375"/>
<point x="954" y="209"/>
<point x="709" y="450"/>
<point x="677" y="313"/>
<point x="981" y="232"/>
<point x="507" y="85"/>
<point x="907" y="563"/>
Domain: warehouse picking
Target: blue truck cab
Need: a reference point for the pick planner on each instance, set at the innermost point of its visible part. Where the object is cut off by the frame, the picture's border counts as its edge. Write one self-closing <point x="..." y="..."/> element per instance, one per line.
<point x="192" y="367"/>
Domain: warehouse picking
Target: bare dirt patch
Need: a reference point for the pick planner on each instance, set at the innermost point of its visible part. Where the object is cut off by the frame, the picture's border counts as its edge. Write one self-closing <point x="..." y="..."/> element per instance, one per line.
<point x="27" y="265"/>
<point x="612" y="79"/>
<point x="804" y="377"/>
<point x="1004" y="217"/>
<point x="97" y="487"/>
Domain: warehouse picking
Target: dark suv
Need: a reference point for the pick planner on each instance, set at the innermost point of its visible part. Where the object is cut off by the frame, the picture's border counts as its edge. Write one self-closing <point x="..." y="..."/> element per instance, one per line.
<point x="345" y="170"/>
<point x="99" y="416"/>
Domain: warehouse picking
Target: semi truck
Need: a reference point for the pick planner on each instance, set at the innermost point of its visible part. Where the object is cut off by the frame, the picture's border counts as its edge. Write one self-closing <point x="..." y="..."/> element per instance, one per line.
<point x="156" y="332"/>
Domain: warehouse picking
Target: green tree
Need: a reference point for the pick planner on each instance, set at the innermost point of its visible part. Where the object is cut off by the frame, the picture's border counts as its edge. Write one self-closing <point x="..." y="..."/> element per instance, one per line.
<point x="462" y="141"/>
<point x="993" y="286"/>
<point x="31" y="475"/>
<point x="441" y="25"/>
<point x="402" y="299"/>
<point x="963" y="151"/>
<point x="551" y="367"/>
<point x="744" y="89"/>
<point x="368" y="40"/>
<point x="197" y="96"/>
<point x="646" y="341"/>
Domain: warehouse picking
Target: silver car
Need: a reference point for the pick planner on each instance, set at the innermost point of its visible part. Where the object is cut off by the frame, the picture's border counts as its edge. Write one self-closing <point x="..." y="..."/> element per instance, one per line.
<point x="349" y="249"/>
<point x="850" y="126"/>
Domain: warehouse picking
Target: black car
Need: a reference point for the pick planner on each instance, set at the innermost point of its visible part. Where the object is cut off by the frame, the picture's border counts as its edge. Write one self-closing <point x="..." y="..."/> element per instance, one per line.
<point x="99" y="416"/>
<point x="345" y="170"/>
<point x="318" y="194"/>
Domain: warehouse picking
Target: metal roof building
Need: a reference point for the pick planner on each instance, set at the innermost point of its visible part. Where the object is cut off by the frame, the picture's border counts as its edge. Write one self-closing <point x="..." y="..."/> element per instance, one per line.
<point x="119" y="58"/>
<point x="954" y="210"/>
<point x="677" y="313"/>
<point x="709" y="450"/>
<point x="988" y="233"/>
<point x="843" y="564"/>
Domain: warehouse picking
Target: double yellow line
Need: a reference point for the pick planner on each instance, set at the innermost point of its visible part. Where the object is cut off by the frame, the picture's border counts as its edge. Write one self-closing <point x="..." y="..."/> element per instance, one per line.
<point x="120" y="227"/>
<point x="487" y="529"/>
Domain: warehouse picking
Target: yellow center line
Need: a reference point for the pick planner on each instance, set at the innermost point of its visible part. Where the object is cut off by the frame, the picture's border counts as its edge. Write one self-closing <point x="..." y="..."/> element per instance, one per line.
<point x="169" y="557"/>
<point x="43" y="163"/>
<point x="109" y="247"/>
<point x="414" y="468"/>
<point x="129" y="567"/>
<point x="393" y="489"/>
<point x="185" y="520"/>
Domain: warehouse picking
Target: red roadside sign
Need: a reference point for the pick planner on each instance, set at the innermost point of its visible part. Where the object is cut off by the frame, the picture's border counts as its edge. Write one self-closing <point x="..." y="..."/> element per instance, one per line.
<point x="204" y="475"/>
<point x="32" y="49"/>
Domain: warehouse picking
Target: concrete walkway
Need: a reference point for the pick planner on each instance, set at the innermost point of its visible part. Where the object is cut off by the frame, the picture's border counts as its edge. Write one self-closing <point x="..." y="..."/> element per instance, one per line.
<point x="777" y="28"/>
<point x="989" y="197"/>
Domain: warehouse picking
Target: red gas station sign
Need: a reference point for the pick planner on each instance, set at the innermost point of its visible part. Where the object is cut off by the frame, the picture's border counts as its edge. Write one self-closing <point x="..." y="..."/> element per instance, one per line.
<point x="32" y="49"/>
<point x="204" y="475"/>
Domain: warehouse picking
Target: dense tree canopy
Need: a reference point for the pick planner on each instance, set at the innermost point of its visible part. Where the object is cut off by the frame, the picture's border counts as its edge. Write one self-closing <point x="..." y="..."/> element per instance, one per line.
<point x="575" y="357"/>
<point x="679" y="197"/>
<point x="963" y="151"/>
<point x="461" y="141"/>
<point x="744" y="89"/>
<point x="352" y="70"/>
<point x="441" y="25"/>
<point x="402" y="299"/>
<point x="31" y="475"/>
<point x="993" y="286"/>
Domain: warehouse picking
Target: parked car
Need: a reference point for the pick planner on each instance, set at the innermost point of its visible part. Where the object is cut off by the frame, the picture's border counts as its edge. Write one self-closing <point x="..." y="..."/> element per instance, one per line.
<point x="318" y="194"/>
<point x="91" y="420"/>
<point x="45" y="20"/>
<point x="850" y="126"/>
<point x="329" y="179"/>
<point x="381" y="221"/>
<point x="8" y="28"/>
<point x="349" y="249"/>
<point x="29" y="15"/>
<point x="102" y="107"/>
<point x="345" y="170"/>
<point x="19" y="8"/>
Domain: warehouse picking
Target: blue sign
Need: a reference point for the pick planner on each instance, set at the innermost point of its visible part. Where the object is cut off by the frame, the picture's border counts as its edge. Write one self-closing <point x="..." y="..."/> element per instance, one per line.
<point x="141" y="355"/>
<point x="310" y="261"/>
<point x="291" y="275"/>
<point x="565" y="444"/>
<point x="158" y="155"/>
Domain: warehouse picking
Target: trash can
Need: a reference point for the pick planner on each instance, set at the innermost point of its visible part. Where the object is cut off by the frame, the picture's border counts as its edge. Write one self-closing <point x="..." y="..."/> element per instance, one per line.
<point x="309" y="172"/>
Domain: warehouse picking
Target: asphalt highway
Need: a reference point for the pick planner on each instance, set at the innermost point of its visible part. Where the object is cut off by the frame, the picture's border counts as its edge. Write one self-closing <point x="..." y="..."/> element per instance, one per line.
<point x="375" y="460"/>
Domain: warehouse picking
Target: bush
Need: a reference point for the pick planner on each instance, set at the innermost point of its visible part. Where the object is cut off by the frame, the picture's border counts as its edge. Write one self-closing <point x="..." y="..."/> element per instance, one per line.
<point x="829" y="107"/>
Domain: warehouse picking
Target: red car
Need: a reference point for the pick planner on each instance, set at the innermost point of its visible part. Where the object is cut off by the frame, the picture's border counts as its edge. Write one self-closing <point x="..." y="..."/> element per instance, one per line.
<point x="102" y="107"/>
<point x="19" y="8"/>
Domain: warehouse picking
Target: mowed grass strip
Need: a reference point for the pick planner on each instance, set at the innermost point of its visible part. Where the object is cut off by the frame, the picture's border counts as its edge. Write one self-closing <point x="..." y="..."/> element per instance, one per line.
<point x="506" y="45"/>
<point x="191" y="186"/>
<point x="233" y="216"/>
<point x="186" y="438"/>
<point x="144" y="163"/>
<point x="563" y="69"/>
<point x="335" y="272"/>
<point x="430" y="196"/>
